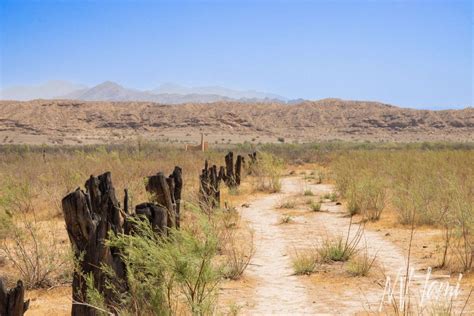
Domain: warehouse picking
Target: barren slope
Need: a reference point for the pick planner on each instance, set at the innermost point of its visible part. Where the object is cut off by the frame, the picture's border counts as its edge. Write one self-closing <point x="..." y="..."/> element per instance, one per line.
<point x="65" y="121"/>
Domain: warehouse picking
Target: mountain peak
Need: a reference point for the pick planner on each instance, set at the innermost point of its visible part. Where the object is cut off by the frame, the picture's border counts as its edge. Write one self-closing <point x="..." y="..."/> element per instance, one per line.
<point x="108" y="84"/>
<point x="169" y="93"/>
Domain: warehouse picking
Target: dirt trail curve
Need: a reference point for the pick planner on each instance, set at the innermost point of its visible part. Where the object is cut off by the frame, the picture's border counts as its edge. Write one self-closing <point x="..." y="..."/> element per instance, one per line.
<point x="277" y="291"/>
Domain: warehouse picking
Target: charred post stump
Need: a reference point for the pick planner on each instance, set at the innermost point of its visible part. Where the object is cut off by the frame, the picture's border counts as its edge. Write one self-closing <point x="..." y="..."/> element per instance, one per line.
<point x="12" y="301"/>
<point x="92" y="215"/>
<point x="155" y="214"/>
<point x="232" y="174"/>
<point x="238" y="169"/>
<point x="89" y="217"/>
<point x="164" y="192"/>
<point x="229" y="170"/>
<point x="177" y="177"/>
<point x="210" y="195"/>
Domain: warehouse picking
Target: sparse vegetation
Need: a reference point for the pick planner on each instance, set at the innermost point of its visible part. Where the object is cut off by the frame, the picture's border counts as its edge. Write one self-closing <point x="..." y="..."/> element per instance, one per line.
<point x="286" y="219"/>
<point x="267" y="173"/>
<point x="289" y="204"/>
<point x="315" y="206"/>
<point x="174" y="275"/>
<point x="237" y="257"/>
<point x="429" y="187"/>
<point x="361" y="264"/>
<point x="340" y="248"/>
<point x="37" y="255"/>
<point x="304" y="262"/>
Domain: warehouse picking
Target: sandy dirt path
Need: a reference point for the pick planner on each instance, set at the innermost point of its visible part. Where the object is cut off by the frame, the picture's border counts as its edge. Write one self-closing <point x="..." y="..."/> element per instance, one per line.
<point x="276" y="291"/>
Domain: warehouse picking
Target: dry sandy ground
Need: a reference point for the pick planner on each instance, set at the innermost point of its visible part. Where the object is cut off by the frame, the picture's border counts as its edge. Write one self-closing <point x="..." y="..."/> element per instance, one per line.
<point x="80" y="122"/>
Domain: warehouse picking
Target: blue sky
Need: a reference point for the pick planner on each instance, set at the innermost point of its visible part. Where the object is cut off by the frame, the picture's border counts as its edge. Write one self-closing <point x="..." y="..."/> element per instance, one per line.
<point x="408" y="53"/>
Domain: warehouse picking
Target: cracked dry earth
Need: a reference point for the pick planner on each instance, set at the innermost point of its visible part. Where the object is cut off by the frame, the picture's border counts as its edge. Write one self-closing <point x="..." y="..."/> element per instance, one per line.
<point x="273" y="289"/>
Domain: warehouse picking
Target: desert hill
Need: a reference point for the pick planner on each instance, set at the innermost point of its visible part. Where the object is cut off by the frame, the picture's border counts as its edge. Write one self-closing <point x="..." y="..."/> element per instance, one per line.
<point x="73" y="122"/>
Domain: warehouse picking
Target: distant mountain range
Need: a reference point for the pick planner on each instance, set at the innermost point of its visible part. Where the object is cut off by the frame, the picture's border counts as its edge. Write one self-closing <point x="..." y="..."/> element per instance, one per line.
<point x="168" y="93"/>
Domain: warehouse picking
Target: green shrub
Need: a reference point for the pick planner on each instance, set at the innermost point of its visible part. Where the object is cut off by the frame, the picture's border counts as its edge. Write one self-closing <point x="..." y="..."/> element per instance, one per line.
<point x="333" y="197"/>
<point x="361" y="265"/>
<point x="333" y="250"/>
<point x="304" y="262"/>
<point x="287" y="205"/>
<point x="315" y="206"/>
<point x="164" y="273"/>
<point x="267" y="171"/>
<point x="340" y="248"/>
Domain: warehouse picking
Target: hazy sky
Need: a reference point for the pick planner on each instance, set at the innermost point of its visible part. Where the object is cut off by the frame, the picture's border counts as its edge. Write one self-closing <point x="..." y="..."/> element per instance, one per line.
<point x="408" y="53"/>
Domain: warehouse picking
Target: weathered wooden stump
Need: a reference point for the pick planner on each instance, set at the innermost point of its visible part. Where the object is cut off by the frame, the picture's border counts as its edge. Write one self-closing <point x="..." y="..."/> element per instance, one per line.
<point x="238" y="169"/>
<point x="164" y="192"/>
<point x="177" y="177"/>
<point x="210" y="195"/>
<point x="232" y="175"/>
<point x="156" y="215"/>
<point x="229" y="169"/>
<point x="89" y="217"/>
<point x="12" y="301"/>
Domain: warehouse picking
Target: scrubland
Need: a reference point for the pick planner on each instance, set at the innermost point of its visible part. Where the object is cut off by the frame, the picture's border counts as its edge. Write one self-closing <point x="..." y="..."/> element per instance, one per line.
<point x="398" y="187"/>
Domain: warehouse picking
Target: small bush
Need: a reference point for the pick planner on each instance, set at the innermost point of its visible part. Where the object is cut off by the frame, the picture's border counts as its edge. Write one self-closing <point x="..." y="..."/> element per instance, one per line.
<point x="304" y="262"/>
<point x="267" y="171"/>
<point x="6" y="225"/>
<point x="315" y="206"/>
<point x="167" y="275"/>
<point x="340" y="249"/>
<point x="237" y="258"/>
<point x="333" y="250"/>
<point x="308" y="193"/>
<point x="286" y="219"/>
<point x="16" y="197"/>
<point x="36" y="254"/>
<point x="353" y="207"/>
<point x="287" y="205"/>
<point x="361" y="265"/>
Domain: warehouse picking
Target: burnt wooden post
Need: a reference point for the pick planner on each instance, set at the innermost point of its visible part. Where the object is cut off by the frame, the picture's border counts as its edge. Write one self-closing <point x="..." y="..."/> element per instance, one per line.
<point x="238" y="169"/>
<point x="229" y="167"/>
<point x="222" y="175"/>
<point x="156" y="215"/>
<point x="209" y="186"/>
<point x="177" y="177"/>
<point x="89" y="217"/>
<point x="125" y="201"/>
<point x="160" y="188"/>
<point x="12" y="301"/>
